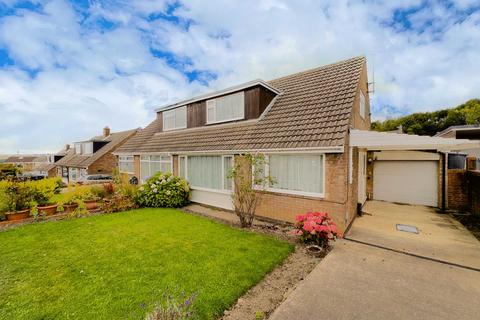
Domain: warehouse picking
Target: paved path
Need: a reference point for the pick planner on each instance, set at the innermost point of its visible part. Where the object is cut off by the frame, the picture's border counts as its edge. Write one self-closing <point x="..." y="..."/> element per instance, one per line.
<point x="358" y="281"/>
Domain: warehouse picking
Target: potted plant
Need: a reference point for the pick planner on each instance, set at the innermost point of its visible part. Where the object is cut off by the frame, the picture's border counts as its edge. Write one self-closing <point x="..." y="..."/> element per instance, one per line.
<point x="18" y="197"/>
<point x="42" y="192"/>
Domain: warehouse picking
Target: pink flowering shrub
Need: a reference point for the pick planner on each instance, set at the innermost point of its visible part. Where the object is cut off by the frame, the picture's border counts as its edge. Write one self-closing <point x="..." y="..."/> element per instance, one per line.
<point x="316" y="227"/>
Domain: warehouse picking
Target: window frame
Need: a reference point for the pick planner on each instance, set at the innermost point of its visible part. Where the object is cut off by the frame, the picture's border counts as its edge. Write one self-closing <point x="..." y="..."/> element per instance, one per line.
<point x="129" y="161"/>
<point x="214" y="102"/>
<point x="223" y="156"/>
<point x="286" y="191"/>
<point x="173" y="113"/>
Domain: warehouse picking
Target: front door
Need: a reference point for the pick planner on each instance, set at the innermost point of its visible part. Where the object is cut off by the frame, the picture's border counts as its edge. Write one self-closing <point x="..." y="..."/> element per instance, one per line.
<point x="362" y="177"/>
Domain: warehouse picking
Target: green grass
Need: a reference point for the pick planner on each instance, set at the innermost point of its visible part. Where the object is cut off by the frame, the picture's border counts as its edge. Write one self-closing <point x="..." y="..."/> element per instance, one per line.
<point x="118" y="266"/>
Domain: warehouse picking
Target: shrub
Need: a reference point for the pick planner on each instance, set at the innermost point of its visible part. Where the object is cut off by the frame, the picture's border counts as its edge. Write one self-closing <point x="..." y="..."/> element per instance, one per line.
<point x="316" y="227"/>
<point x="164" y="190"/>
<point x="15" y="196"/>
<point x="43" y="190"/>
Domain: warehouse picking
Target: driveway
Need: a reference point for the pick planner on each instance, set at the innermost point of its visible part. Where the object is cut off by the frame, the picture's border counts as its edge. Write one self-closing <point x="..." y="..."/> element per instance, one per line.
<point x="357" y="281"/>
<point x="439" y="237"/>
<point x="385" y="273"/>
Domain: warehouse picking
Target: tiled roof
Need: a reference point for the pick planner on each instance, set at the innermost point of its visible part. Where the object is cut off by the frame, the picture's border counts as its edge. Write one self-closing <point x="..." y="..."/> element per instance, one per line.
<point x="22" y="159"/>
<point x="83" y="161"/>
<point x="312" y="111"/>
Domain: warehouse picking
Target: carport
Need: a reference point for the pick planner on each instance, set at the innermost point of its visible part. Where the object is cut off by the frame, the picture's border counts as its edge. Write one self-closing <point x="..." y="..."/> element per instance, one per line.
<point x="404" y="168"/>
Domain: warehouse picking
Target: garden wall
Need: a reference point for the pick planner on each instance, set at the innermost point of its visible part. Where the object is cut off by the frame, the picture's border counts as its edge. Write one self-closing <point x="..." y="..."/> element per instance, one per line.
<point x="464" y="190"/>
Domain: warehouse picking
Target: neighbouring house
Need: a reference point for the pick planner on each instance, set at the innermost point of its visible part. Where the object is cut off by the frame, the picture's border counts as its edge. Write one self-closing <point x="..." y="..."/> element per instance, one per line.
<point x="93" y="156"/>
<point x="30" y="164"/>
<point x="458" y="160"/>
<point x="313" y="128"/>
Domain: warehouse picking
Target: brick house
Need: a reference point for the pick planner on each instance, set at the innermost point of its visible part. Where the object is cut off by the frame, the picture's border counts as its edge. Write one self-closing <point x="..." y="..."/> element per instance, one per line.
<point x="29" y="163"/>
<point x="303" y="123"/>
<point x="93" y="156"/>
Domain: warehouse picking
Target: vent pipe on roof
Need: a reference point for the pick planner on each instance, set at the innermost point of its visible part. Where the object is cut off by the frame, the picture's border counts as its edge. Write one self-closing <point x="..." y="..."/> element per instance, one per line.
<point x="67" y="147"/>
<point x="106" y="131"/>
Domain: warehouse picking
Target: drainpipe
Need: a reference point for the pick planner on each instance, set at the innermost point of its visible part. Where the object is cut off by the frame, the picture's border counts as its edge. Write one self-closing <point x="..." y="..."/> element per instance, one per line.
<point x="444" y="181"/>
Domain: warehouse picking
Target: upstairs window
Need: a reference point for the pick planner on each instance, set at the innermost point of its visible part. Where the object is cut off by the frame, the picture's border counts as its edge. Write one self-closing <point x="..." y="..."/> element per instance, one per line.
<point x="78" y="148"/>
<point x="226" y="108"/>
<point x="363" y="108"/>
<point x="88" y="148"/>
<point x="175" y="119"/>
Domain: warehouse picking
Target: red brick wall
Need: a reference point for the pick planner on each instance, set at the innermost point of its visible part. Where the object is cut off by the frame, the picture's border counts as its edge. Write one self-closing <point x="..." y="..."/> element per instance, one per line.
<point x="457" y="190"/>
<point x="105" y="164"/>
<point x="473" y="179"/>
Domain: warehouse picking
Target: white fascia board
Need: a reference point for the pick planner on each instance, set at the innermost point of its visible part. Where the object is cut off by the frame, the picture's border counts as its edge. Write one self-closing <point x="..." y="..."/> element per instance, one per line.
<point x="219" y="93"/>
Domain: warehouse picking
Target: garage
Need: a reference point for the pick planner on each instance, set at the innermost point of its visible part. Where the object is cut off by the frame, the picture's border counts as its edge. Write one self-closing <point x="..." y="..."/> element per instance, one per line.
<point x="412" y="182"/>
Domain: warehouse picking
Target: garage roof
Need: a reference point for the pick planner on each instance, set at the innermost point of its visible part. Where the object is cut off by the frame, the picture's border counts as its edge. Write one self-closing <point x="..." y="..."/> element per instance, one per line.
<point x="374" y="140"/>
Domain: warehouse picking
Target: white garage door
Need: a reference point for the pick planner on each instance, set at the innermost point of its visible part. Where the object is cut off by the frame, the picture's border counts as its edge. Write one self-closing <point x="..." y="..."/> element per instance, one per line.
<point x="412" y="182"/>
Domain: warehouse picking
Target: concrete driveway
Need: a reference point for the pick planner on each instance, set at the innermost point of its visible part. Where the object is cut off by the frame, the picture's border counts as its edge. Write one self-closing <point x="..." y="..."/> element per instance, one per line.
<point x="439" y="237"/>
<point x="357" y="281"/>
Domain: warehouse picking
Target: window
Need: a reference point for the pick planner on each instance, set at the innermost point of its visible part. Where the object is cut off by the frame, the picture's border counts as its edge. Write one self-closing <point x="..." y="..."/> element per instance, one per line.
<point x="182" y="167"/>
<point x="78" y="148"/>
<point x="126" y="164"/>
<point x="88" y="148"/>
<point x="175" y="119"/>
<point x="227" y="108"/>
<point x="149" y="165"/>
<point x="208" y="172"/>
<point x="296" y="173"/>
<point x="363" y="108"/>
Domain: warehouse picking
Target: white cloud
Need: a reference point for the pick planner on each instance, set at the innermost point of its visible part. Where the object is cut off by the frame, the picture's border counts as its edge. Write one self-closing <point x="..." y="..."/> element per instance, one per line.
<point x="87" y="77"/>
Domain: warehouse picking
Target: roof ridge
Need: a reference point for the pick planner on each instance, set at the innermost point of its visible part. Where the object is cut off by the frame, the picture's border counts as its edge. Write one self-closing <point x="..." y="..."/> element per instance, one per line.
<point x="362" y="57"/>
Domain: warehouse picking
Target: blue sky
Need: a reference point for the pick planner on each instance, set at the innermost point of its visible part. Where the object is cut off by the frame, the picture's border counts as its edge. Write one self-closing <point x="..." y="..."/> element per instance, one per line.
<point x="69" y="68"/>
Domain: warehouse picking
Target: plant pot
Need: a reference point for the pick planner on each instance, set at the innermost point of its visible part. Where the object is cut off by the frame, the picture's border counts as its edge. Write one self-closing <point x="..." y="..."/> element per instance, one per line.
<point x="69" y="208"/>
<point x="316" y="251"/>
<point x="91" y="204"/>
<point x="18" y="215"/>
<point x="48" y="210"/>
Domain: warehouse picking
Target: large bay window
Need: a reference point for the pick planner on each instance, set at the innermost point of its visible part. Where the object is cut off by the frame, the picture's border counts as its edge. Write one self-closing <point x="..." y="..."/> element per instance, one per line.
<point x="226" y="108"/>
<point x="175" y="118"/>
<point x="207" y="172"/>
<point x="301" y="174"/>
<point x="149" y="165"/>
<point x="126" y="164"/>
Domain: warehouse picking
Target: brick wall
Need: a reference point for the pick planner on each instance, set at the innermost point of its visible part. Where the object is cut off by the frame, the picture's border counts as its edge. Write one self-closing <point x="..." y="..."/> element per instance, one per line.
<point x="473" y="180"/>
<point x="104" y="164"/>
<point x="457" y="190"/>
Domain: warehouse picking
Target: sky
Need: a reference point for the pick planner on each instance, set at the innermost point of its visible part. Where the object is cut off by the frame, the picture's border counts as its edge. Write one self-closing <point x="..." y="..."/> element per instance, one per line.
<point x="69" y="68"/>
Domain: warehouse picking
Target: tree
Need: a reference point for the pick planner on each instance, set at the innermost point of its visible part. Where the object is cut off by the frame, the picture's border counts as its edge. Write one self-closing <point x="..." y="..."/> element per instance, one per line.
<point x="248" y="171"/>
<point x="429" y="123"/>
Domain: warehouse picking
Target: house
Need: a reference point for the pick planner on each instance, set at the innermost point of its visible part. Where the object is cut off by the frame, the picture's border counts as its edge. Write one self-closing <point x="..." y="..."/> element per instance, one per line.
<point x="29" y="163"/>
<point x="93" y="156"/>
<point x="311" y="128"/>
<point x="472" y="132"/>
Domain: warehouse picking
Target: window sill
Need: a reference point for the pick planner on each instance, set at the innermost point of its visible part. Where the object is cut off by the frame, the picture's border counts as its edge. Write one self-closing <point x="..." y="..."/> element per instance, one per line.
<point x="228" y="192"/>
<point x="294" y="194"/>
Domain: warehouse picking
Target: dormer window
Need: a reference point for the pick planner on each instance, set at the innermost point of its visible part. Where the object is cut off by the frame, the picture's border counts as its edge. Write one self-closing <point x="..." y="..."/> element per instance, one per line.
<point x="78" y="148"/>
<point x="227" y="108"/>
<point x="175" y="119"/>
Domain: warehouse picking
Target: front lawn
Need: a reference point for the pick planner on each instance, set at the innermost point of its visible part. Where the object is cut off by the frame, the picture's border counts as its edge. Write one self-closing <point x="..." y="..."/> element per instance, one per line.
<point x="117" y="266"/>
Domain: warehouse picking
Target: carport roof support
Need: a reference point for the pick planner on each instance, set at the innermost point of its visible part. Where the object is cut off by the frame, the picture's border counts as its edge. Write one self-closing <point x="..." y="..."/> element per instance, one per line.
<point x="373" y="140"/>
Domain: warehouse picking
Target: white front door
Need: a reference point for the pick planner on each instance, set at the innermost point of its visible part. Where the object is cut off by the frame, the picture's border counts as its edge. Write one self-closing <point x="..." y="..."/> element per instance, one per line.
<point x="362" y="177"/>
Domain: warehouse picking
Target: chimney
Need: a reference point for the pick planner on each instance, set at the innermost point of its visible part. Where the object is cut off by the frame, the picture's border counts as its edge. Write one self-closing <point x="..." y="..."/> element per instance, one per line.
<point x="106" y="131"/>
<point x="67" y="147"/>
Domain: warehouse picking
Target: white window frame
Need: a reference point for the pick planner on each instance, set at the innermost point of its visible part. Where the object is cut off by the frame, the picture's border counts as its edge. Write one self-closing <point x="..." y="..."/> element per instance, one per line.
<point x="78" y="148"/>
<point x="173" y="113"/>
<point x="286" y="191"/>
<point x="362" y="105"/>
<point x="149" y="161"/>
<point x="179" y="167"/>
<point x="130" y="159"/>
<point x="213" y="105"/>
<point x="86" y="146"/>
<point x="223" y="190"/>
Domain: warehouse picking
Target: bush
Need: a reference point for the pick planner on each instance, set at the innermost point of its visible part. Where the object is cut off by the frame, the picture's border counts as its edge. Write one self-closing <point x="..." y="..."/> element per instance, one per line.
<point x="43" y="190"/>
<point x="316" y="227"/>
<point x="164" y="190"/>
<point x="15" y="196"/>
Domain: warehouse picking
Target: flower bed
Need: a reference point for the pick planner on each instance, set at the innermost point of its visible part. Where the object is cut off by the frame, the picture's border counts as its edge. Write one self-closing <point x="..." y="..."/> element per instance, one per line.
<point x="317" y="228"/>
